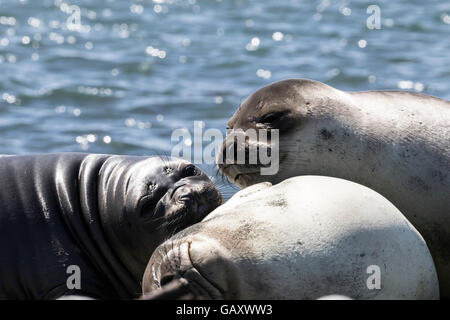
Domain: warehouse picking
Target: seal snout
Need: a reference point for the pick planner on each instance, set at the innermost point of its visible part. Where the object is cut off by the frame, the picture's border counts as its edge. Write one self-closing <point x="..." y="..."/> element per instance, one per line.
<point x="171" y="274"/>
<point x="185" y="192"/>
<point x="166" y="263"/>
<point x="190" y="202"/>
<point x="170" y="195"/>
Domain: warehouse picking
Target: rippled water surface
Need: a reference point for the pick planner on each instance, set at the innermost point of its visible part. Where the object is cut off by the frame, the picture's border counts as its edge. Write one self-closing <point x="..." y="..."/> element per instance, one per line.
<point x="116" y="76"/>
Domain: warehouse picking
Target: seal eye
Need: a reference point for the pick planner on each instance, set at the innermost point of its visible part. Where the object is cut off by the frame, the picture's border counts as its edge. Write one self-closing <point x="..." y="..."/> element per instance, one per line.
<point x="270" y="117"/>
<point x="190" y="171"/>
<point x="279" y="119"/>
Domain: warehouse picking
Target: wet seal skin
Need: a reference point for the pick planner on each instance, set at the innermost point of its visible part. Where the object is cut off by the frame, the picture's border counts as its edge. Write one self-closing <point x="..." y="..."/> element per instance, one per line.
<point x="324" y="238"/>
<point x="394" y="142"/>
<point x="102" y="213"/>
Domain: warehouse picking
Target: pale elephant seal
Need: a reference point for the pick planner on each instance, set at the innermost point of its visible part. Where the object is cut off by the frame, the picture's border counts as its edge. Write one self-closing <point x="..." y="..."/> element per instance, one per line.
<point x="104" y="214"/>
<point x="397" y="143"/>
<point x="304" y="238"/>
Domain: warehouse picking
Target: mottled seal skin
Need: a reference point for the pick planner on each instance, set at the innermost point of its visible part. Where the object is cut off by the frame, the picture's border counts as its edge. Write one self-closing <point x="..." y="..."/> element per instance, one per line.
<point x="103" y="213"/>
<point x="304" y="238"/>
<point x="397" y="143"/>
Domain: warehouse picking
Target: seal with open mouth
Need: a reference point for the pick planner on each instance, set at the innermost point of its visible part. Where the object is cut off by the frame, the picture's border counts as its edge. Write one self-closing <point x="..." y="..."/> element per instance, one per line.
<point x="104" y="214"/>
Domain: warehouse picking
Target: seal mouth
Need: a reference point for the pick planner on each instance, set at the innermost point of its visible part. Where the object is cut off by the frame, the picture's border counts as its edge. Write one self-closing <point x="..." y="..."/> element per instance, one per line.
<point x="233" y="171"/>
<point x="240" y="173"/>
<point x="241" y="178"/>
<point x="246" y="174"/>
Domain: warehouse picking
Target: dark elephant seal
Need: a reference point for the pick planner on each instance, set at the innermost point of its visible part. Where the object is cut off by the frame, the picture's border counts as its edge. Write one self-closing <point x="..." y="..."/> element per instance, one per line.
<point x="102" y="213"/>
<point x="397" y="143"/>
<point x="303" y="238"/>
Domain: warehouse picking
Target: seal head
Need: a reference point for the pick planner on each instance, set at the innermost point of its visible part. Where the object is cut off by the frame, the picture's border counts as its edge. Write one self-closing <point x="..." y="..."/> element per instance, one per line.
<point x="395" y="142"/>
<point x="145" y="202"/>
<point x="101" y="214"/>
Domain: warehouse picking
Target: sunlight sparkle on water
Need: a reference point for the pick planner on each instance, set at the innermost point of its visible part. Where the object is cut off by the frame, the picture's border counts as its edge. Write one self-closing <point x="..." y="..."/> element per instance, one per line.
<point x="253" y="44"/>
<point x="107" y="139"/>
<point x="362" y="43"/>
<point x="265" y="74"/>
<point x="408" y="85"/>
<point x="26" y="40"/>
<point x="154" y="52"/>
<point x="277" y="36"/>
<point x="34" y="22"/>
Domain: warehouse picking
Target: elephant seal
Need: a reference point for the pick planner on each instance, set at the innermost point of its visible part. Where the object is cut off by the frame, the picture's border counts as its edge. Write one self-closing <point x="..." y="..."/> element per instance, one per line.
<point x="396" y="143"/>
<point x="101" y="214"/>
<point x="304" y="238"/>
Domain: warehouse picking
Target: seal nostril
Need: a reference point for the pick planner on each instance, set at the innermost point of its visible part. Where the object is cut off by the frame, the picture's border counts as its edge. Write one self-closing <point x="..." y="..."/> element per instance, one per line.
<point x="189" y="197"/>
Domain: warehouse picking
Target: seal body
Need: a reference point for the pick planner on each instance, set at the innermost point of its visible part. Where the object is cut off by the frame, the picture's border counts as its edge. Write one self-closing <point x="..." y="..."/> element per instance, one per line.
<point x="396" y="143"/>
<point x="305" y="238"/>
<point x="102" y="215"/>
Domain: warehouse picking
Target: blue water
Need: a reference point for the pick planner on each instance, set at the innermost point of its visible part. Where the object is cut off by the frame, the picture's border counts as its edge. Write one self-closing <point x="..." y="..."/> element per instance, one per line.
<point x="123" y="75"/>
